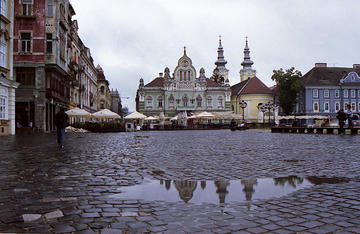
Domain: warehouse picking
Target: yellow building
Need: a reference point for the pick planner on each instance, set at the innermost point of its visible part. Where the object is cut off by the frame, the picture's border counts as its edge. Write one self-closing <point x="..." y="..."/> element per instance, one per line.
<point x="250" y="92"/>
<point x="7" y="83"/>
<point x="253" y="92"/>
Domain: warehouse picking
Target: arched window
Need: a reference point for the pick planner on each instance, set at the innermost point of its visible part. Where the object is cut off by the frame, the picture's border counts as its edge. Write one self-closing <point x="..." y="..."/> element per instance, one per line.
<point x="160" y="101"/>
<point x="209" y="101"/>
<point x="198" y="101"/>
<point x="171" y="101"/>
<point x="149" y="102"/>
<point x="185" y="100"/>
<point x="220" y="102"/>
<point x="102" y="90"/>
<point x="189" y="75"/>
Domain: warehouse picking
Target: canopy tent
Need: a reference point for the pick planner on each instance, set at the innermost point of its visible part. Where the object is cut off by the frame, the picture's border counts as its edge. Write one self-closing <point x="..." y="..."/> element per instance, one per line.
<point x="205" y="115"/>
<point x="105" y="114"/>
<point x="77" y="112"/>
<point x="192" y="117"/>
<point x="149" y="118"/>
<point x="227" y="115"/>
<point x="174" y="118"/>
<point x="135" y="115"/>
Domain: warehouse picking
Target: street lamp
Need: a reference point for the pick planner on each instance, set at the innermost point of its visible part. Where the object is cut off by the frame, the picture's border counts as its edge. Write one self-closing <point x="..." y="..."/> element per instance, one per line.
<point x="270" y="107"/>
<point x="243" y="105"/>
<point x="262" y="107"/>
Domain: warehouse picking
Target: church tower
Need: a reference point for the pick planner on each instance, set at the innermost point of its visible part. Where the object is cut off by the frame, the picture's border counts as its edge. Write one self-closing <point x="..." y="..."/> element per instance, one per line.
<point x="247" y="72"/>
<point x="221" y="71"/>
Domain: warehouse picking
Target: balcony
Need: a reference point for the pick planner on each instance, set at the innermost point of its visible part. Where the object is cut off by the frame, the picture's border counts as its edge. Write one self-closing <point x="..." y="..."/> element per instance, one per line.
<point x="75" y="83"/>
<point x="50" y="93"/>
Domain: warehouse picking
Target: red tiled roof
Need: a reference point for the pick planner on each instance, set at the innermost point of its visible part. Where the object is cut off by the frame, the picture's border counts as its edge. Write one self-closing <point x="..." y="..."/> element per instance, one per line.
<point x="157" y="82"/>
<point x="211" y="83"/>
<point x="255" y="86"/>
<point x="236" y="88"/>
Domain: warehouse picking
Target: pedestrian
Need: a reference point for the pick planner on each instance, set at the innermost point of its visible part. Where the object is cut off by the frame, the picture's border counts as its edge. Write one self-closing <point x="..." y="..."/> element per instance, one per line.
<point x="349" y="115"/>
<point x="61" y="122"/>
<point x="341" y="116"/>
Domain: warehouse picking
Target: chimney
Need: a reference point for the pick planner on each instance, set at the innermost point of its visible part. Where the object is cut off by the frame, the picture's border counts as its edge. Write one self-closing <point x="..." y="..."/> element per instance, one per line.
<point x="320" y="65"/>
<point x="160" y="74"/>
<point x="356" y="66"/>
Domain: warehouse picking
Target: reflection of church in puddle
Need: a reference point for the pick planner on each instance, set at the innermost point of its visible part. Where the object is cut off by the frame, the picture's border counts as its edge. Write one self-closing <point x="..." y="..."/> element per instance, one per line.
<point x="186" y="188"/>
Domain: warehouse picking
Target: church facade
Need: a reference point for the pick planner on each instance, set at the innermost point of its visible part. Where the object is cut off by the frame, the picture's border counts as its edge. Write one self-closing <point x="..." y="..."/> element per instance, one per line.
<point x="186" y="89"/>
<point x="252" y="91"/>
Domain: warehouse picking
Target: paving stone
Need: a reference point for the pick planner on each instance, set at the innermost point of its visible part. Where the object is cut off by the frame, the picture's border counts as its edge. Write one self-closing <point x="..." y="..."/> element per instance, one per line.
<point x="111" y="231"/>
<point x="108" y="214"/>
<point x="90" y="215"/>
<point x="54" y="214"/>
<point x="157" y="229"/>
<point x="137" y="225"/>
<point x="63" y="228"/>
<point x="31" y="217"/>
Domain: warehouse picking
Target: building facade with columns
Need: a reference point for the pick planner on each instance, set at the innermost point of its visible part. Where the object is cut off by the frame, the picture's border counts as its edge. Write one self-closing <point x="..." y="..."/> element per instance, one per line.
<point x="185" y="90"/>
<point x="7" y="82"/>
<point x="252" y="91"/>
<point x="41" y="66"/>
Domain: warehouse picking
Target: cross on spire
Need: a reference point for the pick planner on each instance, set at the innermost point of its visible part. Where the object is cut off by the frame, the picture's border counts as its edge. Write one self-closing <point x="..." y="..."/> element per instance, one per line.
<point x="184" y="50"/>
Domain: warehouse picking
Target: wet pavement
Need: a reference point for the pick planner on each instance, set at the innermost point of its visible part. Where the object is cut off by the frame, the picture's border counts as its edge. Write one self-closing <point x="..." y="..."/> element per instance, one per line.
<point x="219" y="181"/>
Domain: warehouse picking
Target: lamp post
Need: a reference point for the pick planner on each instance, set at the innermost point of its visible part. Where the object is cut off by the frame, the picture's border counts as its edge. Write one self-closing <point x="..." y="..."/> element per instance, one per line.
<point x="262" y="107"/>
<point x="243" y="105"/>
<point x="341" y="94"/>
<point x="270" y="107"/>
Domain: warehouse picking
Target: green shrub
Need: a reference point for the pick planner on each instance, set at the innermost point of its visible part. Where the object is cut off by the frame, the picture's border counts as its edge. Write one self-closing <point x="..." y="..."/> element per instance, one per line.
<point x="101" y="126"/>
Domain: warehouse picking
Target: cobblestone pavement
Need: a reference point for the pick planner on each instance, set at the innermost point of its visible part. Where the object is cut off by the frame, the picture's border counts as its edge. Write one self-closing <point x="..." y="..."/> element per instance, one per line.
<point x="44" y="190"/>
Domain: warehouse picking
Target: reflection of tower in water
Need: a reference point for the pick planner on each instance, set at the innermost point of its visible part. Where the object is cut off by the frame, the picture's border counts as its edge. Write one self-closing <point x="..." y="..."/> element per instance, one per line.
<point x="185" y="189"/>
<point x="167" y="184"/>
<point x="248" y="188"/>
<point x="221" y="189"/>
<point x="203" y="184"/>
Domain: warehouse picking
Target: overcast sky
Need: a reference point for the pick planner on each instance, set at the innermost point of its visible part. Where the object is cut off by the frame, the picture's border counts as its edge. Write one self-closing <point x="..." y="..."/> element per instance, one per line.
<point x="133" y="39"/>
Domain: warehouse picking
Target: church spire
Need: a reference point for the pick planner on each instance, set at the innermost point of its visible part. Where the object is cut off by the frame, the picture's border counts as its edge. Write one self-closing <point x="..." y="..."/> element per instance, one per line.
<point x="247" y="63"/>
<point x="220" y="62"/>
<point x="220" y="73"/>
<point x="247" y="72"/>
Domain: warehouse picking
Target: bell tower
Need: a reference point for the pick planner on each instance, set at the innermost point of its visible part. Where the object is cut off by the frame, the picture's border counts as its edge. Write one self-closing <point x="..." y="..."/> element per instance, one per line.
<point x="247" y="72"/>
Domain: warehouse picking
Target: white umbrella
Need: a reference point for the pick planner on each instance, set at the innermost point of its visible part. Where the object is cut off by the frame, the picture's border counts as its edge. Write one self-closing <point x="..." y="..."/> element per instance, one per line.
<point x="151" y="118"/>
<point x="135" y="115"/>
<point x="192" y="117"/>
<point x="205" y="115"/>
<point x="106" y="114"/>
<point x="77" y="112"/>
<point x="174" y="118"/>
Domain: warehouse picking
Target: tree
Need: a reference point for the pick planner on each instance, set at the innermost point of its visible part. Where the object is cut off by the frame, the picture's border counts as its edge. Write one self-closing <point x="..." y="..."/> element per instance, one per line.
<point x="288" y="85"/>
<point x="217" y="77"/>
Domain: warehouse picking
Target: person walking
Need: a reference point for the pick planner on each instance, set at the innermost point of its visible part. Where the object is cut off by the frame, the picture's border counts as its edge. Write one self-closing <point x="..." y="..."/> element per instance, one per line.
<point x="349" y="115"/>
<point x="61" y="122"/>
<point x="341" y="116"/>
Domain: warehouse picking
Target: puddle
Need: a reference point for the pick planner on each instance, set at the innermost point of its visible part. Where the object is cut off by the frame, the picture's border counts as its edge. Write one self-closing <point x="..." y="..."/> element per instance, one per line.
<point x="215" y="192"/>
